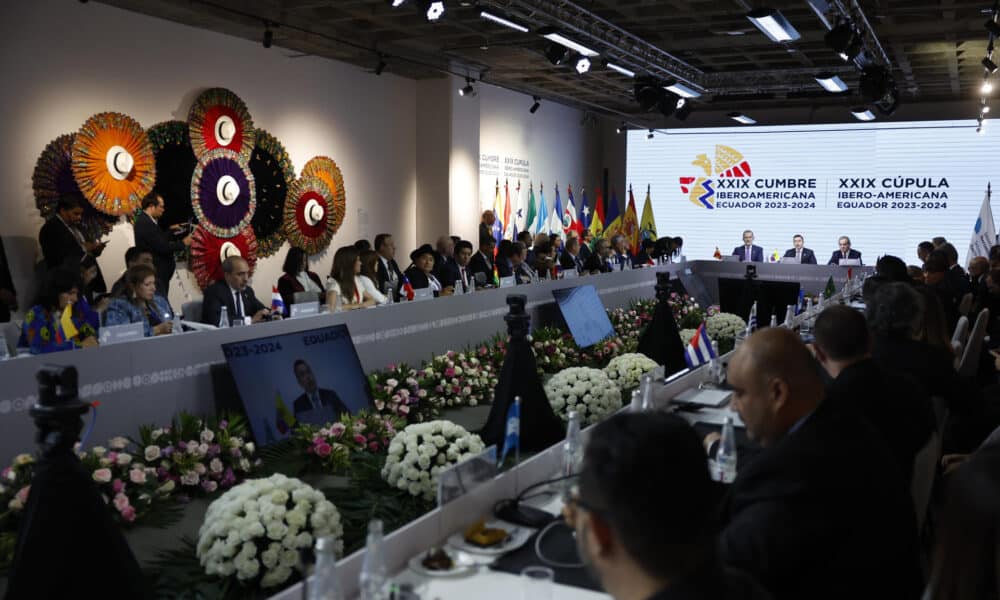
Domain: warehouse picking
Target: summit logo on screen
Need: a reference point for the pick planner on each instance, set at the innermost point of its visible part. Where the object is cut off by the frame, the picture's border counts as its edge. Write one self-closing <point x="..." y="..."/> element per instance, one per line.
<point x="729" y="163"/>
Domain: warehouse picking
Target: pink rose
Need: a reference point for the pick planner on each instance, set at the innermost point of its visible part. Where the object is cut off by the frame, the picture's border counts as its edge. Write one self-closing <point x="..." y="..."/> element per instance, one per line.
<point x="117" y="486"/>
<point x="337" y="429"/>
<point x="22" y="494"/>
<point x="120" y="502"/>
<point x="359" y="439"/>
<point x="373" y="446"/>
<point x="323" y="449"/>
<point x="199" y="468"/>
<point x="379" y="405"/>
<point x="137" y="476"/>
<point x="449" y="372"/>
<point x="404" y="410"/>
<point x="102" y="475"/>
<point x="128" y="513"/>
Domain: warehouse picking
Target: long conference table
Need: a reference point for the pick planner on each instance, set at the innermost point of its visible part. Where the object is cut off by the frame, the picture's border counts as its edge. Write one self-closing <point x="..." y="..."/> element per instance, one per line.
<point x="149" y="381"/>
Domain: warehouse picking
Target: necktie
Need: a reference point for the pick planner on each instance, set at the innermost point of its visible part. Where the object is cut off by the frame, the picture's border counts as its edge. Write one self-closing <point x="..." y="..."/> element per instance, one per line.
<point x="239" y="304"/>
<point x="315" y="399"/>
<point x="798" y="255"/>
<point x="748" y="254"/>
<point x="465" y="283"/>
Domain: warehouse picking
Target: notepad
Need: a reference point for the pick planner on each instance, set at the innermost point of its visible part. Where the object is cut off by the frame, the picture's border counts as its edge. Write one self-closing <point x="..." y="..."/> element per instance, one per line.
<point x="713" y="398"/>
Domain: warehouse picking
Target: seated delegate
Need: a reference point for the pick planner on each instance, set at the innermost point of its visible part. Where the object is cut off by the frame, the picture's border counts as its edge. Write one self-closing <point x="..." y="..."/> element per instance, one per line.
<point x="845" y="252"/>
<point x="344" y="288"/>
<point x="421" y="272"/>
<point x="297" y="278"/>
<point x="233" y="293"/>
<point x="44" y="329"/>
<point x="141" y="304"/>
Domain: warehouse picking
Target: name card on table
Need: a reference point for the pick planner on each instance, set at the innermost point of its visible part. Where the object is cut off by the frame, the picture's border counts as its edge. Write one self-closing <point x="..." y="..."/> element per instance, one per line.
<point x="570" y="274"/>
<point x="850" y="262"/>
<point x="305" y="309"/>
<point x="464" y="477"/>
<point x="116" y="334"/>
<point x="423" y="294"/>
<point x="507" y="282"/>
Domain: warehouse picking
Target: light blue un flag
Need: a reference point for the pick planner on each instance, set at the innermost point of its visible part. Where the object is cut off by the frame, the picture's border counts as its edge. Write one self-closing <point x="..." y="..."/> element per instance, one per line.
<point x="512" y="439"/>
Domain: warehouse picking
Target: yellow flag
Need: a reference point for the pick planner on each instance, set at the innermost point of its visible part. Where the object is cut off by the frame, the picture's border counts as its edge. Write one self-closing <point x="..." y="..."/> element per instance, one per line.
<point x="647" y="225"/>
<point x="68" y="327"/>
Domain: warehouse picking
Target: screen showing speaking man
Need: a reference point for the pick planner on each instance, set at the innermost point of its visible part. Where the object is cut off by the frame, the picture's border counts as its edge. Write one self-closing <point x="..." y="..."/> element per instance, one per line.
<point x="310" y="377"/>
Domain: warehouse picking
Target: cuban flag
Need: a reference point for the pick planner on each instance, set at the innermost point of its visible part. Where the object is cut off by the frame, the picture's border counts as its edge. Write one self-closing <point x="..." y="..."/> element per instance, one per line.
<point x="512" y="439"/>
<point x="699" y="350"/>
<point x="277" y="304"/>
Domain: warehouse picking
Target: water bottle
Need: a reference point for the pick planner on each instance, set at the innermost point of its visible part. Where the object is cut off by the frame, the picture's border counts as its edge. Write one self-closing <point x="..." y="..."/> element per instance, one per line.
<point x="223" y="318"/>
<point x="636" y="404"/>
<point x="789" y="315"/>
<point x="725" y="459"/>
<point x="774" y="320"/>
<point x="715" y="365"/>
<point x="373" y="571"/>
<point x="177" y="327"/>
<point x="572" y="449"/>
<point x="387" y="290"/>
<point x="324" y="585"/>
<point x="646" y="392"/>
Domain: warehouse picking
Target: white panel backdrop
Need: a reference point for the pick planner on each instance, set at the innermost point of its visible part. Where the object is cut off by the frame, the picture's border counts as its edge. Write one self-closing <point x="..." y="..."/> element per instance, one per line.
<point x="931" y="177"/>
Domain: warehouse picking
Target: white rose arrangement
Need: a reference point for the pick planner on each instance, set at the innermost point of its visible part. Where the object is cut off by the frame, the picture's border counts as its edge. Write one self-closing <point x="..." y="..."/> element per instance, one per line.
<point x="724" y="326"/>
<point x="587" y="391"/>
<point x="419" y="453"/>
<point x="627" y="369"/>
<point x="254" y="531"/>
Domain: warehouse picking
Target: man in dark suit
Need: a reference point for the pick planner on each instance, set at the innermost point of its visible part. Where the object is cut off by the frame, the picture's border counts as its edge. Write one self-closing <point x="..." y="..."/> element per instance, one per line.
<point x="149" y="237"/>
<point x="799" y="251"/>
<point x="486" y="224"/>
<point x="8" y="295"/>
<point x="585" y="239"/>
<point x="821" y="512"/>
<point x="481" y="263"/>
<point x="956" y="275"/>
<point x="445" y="267"/>
<point x="63" y="244"/>
<point x="748" y="252"/>
<point x="572" y="258"/>
<point x="233" y="292"/>
<point x="638" y="547"/>
<point x="600" y="259"/>
<point x="845" y="252"/>
<point x="133" y="257"/>
<point x="645" y="256"/>
<point x="898" y="408"/>
<point x="519" y="268"/>
<point x="314" y="397"/>
<point x="386" y="270"/>
<point x="463" y="255"/>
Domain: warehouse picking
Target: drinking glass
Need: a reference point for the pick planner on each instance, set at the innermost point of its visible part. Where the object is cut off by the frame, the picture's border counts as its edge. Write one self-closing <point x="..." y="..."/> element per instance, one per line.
<point x="536" y="583"/>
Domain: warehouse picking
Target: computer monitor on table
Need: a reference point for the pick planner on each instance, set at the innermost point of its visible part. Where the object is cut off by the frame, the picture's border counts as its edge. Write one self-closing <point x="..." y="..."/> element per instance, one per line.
<point x="584" y="314"/>
<point x="306" y="377"/>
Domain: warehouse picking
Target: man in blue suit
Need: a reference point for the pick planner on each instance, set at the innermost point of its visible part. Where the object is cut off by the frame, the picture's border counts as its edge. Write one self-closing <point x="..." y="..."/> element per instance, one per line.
<point x="845" y="252"/>
<point x="748" y="252"/>
<point x="799" y="251"/>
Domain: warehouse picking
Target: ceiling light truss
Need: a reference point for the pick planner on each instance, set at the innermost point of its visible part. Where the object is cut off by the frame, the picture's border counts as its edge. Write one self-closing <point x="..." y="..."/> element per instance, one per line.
<point x="872" y="50"/>
<point x="989" y="64"/>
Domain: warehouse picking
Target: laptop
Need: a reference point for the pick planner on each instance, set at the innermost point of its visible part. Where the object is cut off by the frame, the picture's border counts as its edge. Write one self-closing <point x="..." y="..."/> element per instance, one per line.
<point x="790" y="260"/>
<point x="850" y="262"/>
<point x="731" y="258"/>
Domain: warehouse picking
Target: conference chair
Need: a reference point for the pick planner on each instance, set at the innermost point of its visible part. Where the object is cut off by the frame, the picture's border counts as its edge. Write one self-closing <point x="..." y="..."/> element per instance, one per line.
<point x="965" y="306"/>
<point x="191" y="311"/>
<point x="924" y="472"/>
<point x="974" y="348"/>
<point x="960" y="337"/>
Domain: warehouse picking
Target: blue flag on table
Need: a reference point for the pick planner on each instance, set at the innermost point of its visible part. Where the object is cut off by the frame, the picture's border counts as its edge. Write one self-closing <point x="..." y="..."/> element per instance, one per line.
<point x="802" y="301"/>
<point x="512" y="439"/>
<point x="699" y="350"/>
<point x="752" y="322"/>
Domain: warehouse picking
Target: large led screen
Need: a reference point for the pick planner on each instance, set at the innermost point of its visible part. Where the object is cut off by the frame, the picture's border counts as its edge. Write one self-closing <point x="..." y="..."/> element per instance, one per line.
<point x="887" y="186"/>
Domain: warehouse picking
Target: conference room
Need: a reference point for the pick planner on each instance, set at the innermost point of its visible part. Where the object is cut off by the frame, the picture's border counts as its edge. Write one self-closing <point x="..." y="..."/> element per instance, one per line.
<point x="526" y="299"/>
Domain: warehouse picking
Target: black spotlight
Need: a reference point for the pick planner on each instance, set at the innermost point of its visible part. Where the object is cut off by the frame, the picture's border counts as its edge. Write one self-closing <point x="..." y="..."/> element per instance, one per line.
<point x="844" y="40"/>
<point x="889" y="103"/>
<point x="620" y="128"/>
<point x="989" y="64"/>
<point x="534" y="107"/>
<point x="468" y="90"/>
<point x="683" y="109"/>
<point x="876" y="83"/>
<point x="648" y="93"/>
<point x="993" y="27"/>
<point x="268" y="37"/>
<point x="668" y="103"/>
<point x="557" y="54"/>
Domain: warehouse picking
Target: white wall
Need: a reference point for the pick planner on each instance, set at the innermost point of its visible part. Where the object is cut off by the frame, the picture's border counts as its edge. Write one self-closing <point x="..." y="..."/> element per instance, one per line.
<point x="64" y="61"/>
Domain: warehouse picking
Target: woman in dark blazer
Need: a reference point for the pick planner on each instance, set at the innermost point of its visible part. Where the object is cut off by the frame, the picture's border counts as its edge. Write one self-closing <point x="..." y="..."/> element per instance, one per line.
<point x="298" y="278"/>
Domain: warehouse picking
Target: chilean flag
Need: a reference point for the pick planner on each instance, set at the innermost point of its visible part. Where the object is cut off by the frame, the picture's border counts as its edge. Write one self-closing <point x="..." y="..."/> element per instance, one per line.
<point x="699" y="350"/>
<point x="408" y="288"/>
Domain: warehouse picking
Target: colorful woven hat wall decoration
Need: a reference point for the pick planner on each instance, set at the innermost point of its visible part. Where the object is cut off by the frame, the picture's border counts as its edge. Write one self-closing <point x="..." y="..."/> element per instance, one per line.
<point x="223" y="193"/>
<point x="53" y="177"/>
<point x="327" y="170"/>
<point x="208" y="252"/>
<point x="309" y="215"/>
<point x="175" y="165"/>
<point x="219" y="119"/>
<point x="273" y="173"/>
<point x="113" y="163"/>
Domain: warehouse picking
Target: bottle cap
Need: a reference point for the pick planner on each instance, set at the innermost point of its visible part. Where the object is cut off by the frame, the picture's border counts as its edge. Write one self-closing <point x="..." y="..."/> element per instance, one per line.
<point x="326" y="544"/>
<point x="375" y="526"/>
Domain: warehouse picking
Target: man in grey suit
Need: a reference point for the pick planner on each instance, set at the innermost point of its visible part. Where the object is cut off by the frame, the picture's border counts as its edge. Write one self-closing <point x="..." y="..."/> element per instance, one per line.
<point x="799" y="251"/>
<point x="149" y="237"/>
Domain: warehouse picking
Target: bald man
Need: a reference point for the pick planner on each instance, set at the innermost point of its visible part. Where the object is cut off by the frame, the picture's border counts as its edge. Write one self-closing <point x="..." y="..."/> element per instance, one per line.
<point x="822" y="511"/>
<point x="445" y="267"/>
<point x="233" y="292"/>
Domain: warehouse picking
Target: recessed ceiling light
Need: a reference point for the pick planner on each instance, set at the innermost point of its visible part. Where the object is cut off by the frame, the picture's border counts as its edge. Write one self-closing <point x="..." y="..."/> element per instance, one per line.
<point x="582" y="65"/>
<point x="502" y="21"/>
<point x="552" y="35"/>
<point x="741" y="118"/>
<point x="831" y="83"/>
<point x="773" y="24"/>
<point x="681" y="90"/>
<point x="862" y="114"/>
<point x="621" y="70"/>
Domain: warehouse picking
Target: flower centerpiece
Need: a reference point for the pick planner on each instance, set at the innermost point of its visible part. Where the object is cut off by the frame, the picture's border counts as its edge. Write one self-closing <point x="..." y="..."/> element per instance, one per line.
<point x="199" y="456"/>
<point x="687" y="312"/>
<point x="629" y="323"/>
<point x="587" y="391"/>
<point x="554" y="349"/>
<point x="421" y="451"/>
<point x="254" y="531"/>
<point x="332" y="445"/>
<point x="459" y="379"/>
<point x="723" y="327"/>
<point x="626" y="370"/>
<point x="397" y="392"/>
